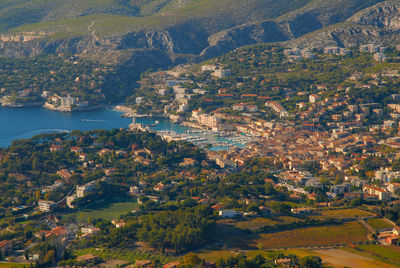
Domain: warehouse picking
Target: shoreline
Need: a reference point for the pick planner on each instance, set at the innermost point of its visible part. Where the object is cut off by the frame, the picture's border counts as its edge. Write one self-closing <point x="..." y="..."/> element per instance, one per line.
<point x="130" y="113"/>
<point x="72" y="110"/>
<point x="21" y="105"/>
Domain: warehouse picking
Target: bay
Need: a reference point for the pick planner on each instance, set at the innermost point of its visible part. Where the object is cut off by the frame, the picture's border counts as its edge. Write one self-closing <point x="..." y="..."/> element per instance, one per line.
<point x="23" y="123"/>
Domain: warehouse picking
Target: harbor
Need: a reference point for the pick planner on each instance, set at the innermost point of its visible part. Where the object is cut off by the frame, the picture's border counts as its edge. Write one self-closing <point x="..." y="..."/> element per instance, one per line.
<point x="208" y="139"/>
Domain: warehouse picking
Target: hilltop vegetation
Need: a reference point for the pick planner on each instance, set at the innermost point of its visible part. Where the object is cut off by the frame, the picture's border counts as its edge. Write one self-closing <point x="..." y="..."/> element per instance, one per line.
<point x="135" y="15"/>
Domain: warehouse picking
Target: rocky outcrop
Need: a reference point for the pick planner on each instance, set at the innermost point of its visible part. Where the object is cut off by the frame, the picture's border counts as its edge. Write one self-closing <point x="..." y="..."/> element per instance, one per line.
<point x="379" y="24"/>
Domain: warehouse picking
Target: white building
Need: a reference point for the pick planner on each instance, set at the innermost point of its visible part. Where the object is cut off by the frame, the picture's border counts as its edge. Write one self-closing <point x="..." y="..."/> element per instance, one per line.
<point x="379" y="57"/>
<point x="81" y="191"/>
<point x="314" y="98"/>
<point x="208" y="67"/>
<point x="209" y="120"/>
<point x="374" y="190"/>
<point x="386" y="175"/>
<point x="229" y="213"/>
<point x="221" y="73"/>
<point x="46" y="206"/>
<point x="68" y="101"/>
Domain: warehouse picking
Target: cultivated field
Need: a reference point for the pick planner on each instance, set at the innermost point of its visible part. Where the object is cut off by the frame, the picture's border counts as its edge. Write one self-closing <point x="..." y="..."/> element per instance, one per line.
<point x="313" y="236"/>
<point x="342" y="258"/>
<point x="257" y="223"/>
<point x="14" y="265"/>
<point x="385" y="252"/>
<point x="345" y="213"/>
<point x="379" y="223"/>
<point x="126" y="255"/>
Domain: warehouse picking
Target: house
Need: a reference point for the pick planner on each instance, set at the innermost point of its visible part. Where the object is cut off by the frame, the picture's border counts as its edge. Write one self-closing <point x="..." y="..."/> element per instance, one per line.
<point x="142" y="263"/>
<point x="208" y="67"/>
<point x="174" y="264"/>
<point x="380" y="57"/>
<point x="90" y="230"/>
<point x="81" y="191"/>
<point x="252" y="108"/>
<point x="64" y="173"/>
<point x="110" y="171"/>
<point x="246" y="96"/>
<point x="389" y="239"/>
<point x="118" y="223"/>
<point x="221" y="73"/>
<point x="301" y="210"/>
<point x="59" y="231"/>
<point x="158" y="187"/>
<point x="284" y="262"/>
<point x="238" y="107"/>
<point x="312" y="196"/>
<point x="88" y="258"/>
<point x="374" y="190"/>
<point x="6" y="247"/>
<point x="393" y="187"/>
<point x="134" y="190"/>
<point x="341" y="189"/>
<point x="314" y="98"/>
<point x="386" y="175"/>
<point x="76" y="150"/>
<point x="55" y="148"/>
<point x="229" y="213"/>
<point x="44" y="234"/>
<point x="217" y="207"/>
<point x="187" y="162"/>
<point x="46" y="206"/>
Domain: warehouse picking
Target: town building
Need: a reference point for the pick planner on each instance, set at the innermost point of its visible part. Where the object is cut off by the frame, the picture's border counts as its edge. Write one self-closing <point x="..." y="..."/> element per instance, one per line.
<point x="46" y="205"/>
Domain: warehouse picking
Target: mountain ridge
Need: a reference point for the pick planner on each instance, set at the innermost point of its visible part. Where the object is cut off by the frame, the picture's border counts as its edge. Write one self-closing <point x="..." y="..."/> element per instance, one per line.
<point x="195" y="30"/>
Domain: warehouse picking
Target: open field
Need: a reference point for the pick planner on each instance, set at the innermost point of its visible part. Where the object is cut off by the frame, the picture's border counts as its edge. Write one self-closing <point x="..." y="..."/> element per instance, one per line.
<point x="214" y="255"/>
<point x="379" y="223"/>
<point x="107" y="210"/>
<point x="113" y="263"/>
<point x="14" y="265"/>
<point x="257" y="223"/>
<point x="314" y="236"/>
<point x="386" y="252"/>
<point x="342" y="258"/>
<point x="333" y="257"/>
<point x="345" y="213"/>
<point x="124" y="255"/>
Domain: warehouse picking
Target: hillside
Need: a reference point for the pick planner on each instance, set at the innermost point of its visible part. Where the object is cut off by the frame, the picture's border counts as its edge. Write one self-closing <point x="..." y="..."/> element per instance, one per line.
<point x="142" y="34"/>
<point x="178" y="27"/>
<point x="377" y="24"/>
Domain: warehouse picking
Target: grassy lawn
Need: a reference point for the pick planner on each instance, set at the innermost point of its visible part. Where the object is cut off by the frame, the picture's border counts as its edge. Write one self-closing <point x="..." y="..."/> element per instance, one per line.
<point x="107" y="210"/>
<point x="386" y="252"/>
<point x="379" y="223"/>
<point x="345" y="213"/>
<point x="313" y="236"/>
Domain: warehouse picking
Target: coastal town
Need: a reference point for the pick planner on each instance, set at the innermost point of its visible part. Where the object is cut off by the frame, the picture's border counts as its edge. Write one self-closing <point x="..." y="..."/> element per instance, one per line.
<point x="260" y="156"/>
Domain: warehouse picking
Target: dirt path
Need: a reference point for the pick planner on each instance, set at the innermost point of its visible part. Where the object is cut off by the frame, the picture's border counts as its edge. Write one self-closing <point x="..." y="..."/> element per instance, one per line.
<point x="92" y="31"/>
<point x="342" y="258"/>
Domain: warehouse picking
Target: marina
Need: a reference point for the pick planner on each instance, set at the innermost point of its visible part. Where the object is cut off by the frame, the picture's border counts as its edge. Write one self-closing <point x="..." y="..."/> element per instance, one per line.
<point x="212" y="140"/>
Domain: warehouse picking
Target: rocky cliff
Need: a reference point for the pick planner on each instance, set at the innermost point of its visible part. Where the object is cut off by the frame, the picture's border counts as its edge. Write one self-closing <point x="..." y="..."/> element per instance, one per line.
<point x="379" y="24"/>
<point x="315" y="25"/>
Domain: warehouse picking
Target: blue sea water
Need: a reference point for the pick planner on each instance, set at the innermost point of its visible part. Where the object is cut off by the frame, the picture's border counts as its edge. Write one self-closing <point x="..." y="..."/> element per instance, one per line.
<point x="23" y="123"/>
